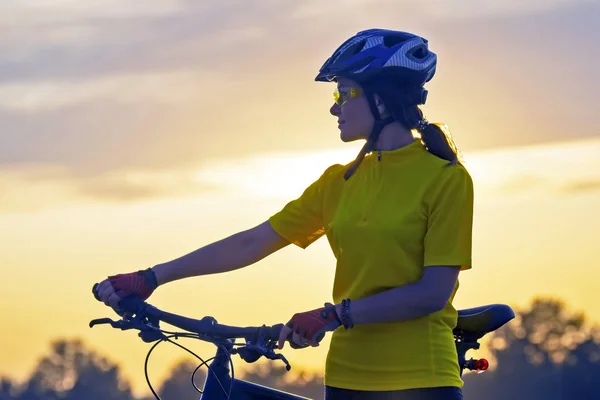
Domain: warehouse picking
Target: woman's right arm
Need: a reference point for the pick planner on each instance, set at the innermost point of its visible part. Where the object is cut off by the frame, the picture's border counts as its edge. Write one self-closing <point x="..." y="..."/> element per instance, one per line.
<point x="234" y="252"/>
<point x="301" y="220"/>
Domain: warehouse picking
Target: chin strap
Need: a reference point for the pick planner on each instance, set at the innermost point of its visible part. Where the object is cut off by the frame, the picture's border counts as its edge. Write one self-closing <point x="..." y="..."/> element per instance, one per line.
<point x="378" y="126"/>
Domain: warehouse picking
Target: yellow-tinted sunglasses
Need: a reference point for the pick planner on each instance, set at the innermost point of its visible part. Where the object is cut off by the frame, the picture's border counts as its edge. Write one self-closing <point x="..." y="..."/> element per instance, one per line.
<point x="341" y="97"/>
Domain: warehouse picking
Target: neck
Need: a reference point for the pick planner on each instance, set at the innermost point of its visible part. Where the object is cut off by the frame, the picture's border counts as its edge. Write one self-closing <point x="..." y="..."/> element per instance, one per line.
<point x="394" y="136"/>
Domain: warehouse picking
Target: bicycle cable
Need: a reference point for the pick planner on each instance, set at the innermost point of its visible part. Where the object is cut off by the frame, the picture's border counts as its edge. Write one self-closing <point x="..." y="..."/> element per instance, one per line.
<point x="196" y="370"/>
<point x="204" y="362"/>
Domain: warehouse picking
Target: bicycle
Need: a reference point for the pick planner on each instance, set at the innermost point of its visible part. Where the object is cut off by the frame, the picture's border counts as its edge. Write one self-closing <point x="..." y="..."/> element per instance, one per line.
<point x="473" y="324"/>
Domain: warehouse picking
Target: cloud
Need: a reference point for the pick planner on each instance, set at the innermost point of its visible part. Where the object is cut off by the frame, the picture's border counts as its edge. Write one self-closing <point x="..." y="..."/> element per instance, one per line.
<point x="282" y="175"/>
<point x="67" y="10"/>
<point x="583" y="186"/>
<point x="97" y="87"/>
<point x="543" y="170"/>
<point x="86" y="43"/>
<point x="125" y="89"/>
<point x="136" y="186"/>
<point x="72" y="40"/>
<point x="517" y="184"/>
<point x="40" y="187"/>
<point x="424" y="9"/>
<point x="546" y="185"/>
<point x="539" y="170"/>
<point x="468" y="9"/>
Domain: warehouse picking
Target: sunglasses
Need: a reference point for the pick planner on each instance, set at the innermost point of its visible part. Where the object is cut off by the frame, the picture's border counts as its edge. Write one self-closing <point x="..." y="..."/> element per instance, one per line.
<point x="342" y="96"/>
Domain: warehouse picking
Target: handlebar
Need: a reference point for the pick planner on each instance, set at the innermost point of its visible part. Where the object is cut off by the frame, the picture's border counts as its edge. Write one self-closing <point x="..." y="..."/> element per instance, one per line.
<point x="206" y="326"/>
<point x="260" y="341"/>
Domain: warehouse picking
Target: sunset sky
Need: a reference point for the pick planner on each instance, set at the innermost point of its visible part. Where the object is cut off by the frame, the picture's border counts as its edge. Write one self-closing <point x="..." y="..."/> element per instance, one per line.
<point x="134" y="132"/>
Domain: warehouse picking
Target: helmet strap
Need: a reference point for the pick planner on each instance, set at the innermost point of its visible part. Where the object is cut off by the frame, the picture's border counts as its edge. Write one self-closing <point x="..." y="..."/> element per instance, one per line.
<point x="378" y="126"/>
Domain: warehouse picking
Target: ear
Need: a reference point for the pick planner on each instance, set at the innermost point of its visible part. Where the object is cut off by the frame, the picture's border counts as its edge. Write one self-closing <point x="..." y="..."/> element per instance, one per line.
<point x="380" y="106"/>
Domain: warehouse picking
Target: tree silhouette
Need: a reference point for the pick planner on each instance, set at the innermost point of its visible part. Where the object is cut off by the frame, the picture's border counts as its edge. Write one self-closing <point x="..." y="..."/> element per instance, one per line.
<point x="8" y="391"/>
<point x="73" y="372"/>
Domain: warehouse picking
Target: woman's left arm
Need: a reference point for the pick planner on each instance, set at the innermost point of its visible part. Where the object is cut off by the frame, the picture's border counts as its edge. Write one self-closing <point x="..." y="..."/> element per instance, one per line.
<point x="447" y="246"/>
<point x="426" y="296"/>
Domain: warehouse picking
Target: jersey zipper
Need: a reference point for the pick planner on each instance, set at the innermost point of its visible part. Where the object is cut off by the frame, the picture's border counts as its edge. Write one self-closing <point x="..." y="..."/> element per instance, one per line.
<point x="376" y="178"/>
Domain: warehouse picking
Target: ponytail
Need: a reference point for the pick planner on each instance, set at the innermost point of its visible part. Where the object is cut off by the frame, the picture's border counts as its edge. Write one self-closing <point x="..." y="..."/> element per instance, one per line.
<point x="438" y="141"/>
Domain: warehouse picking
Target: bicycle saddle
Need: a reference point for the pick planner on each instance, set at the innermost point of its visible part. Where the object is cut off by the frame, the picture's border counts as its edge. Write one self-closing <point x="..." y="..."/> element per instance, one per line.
<point x="476" y="322"/>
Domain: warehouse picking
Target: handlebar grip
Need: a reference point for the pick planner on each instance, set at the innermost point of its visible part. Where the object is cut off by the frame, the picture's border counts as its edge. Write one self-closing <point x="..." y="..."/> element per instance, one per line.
<point x="131" y="304"/>
<point x="274" y="331"/>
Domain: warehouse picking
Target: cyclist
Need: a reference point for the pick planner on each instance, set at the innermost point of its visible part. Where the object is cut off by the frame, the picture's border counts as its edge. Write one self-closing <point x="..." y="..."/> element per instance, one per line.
<point x="398" y="219"/>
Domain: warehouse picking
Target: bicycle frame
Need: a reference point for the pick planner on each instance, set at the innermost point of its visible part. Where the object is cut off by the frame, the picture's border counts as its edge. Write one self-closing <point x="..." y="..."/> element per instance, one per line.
<point x="219" y="372"/>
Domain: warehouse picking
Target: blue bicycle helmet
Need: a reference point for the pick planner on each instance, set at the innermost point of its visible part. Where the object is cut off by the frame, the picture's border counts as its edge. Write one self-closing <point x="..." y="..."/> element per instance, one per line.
<point x="376" y="51"/>
<point x="381" y="53"/>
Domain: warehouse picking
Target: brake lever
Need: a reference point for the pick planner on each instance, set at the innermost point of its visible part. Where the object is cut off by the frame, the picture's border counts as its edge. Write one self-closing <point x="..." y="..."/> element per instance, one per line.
<point x="251" y="353"/>
<point x="271" y="355"/>
<point x="122" y="324"/>
<point x="147" y="333"/>
<point x="101" y="321"/>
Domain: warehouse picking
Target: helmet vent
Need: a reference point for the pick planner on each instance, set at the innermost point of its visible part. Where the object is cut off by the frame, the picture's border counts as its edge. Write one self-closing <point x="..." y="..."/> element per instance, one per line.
<point x="352" y="50"/>
<point x="419" y="52"/>
<point x="393" y="40"/>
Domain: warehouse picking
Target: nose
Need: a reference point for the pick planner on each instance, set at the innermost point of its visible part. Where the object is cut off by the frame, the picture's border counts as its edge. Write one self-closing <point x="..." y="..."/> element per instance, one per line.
<point x="335" y="110"/>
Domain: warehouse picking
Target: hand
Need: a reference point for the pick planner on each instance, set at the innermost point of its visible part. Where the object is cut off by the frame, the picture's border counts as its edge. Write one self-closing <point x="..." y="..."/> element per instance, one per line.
<point x="309" y="328"/>
<point x="117" y="287"/>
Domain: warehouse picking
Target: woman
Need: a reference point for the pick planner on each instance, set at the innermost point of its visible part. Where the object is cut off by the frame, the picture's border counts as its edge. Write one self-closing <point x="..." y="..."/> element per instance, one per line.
<point x="398" y="219"/>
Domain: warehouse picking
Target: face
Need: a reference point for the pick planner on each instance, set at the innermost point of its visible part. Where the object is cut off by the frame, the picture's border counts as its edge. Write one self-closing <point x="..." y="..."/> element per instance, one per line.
<point x="355" y="120"/>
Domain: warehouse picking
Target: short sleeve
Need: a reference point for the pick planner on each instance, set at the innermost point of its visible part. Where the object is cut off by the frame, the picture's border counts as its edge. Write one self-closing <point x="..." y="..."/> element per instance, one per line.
<point x="301" y="220"/>
<point x="448" y="240"/>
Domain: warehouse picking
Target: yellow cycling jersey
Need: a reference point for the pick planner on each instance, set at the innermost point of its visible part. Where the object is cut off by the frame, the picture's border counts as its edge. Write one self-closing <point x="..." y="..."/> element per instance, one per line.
<point x="401" y="211"/>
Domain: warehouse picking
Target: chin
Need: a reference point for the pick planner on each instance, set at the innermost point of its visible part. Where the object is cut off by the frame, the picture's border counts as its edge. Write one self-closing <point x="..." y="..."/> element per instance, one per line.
<point x="349" y="138"/>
